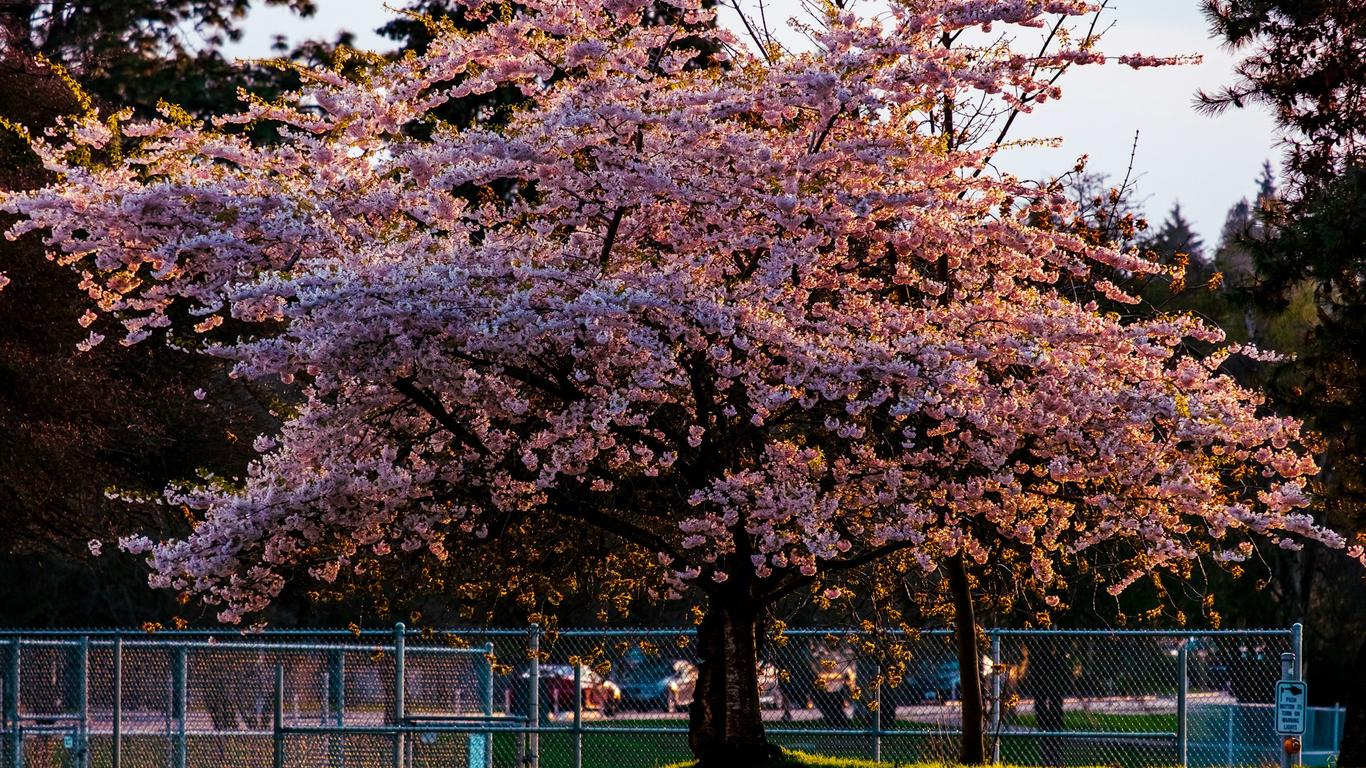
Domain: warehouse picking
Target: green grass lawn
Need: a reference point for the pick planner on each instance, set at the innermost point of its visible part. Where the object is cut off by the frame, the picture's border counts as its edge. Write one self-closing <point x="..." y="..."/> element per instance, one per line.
<point x="904" y="747"/>
<point x="1110" y="722"/>
<point x="796" y="759"/>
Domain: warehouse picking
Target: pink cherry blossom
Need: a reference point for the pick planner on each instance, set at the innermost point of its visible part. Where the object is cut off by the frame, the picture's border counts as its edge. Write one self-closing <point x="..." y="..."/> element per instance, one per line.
<point x="757" y="321"/>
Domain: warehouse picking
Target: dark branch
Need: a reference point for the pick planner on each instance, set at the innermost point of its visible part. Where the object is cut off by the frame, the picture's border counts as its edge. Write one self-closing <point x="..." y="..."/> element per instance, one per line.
<point x="799" y="582"/>
<point x="429" y="403"/>
<point x="616" y="526"/>
<point x="611" y="236"/>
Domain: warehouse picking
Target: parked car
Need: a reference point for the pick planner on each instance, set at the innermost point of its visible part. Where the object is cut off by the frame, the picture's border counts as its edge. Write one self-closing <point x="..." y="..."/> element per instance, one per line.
<point x="657" y="683"/>
<point x="770" y="691"/>
<point x="1208" y="663"/>
<point x="669" y="684"/>
<point x="934" y="682"/>
<point x="557" y="689"/>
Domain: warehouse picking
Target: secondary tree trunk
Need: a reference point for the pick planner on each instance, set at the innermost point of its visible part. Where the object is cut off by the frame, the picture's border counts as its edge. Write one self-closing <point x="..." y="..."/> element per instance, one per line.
<point x="1353" y="750"/>
<point x="1049" y="681"/>
<point x="974" y="750"/>
<point x="726" y="726"/>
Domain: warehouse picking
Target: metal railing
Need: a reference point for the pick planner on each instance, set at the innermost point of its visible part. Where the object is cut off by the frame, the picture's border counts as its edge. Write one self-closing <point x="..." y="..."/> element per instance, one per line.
<point x="487" y="698"/>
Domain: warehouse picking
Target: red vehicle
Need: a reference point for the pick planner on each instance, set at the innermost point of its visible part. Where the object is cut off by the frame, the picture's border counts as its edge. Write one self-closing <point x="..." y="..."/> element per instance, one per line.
<point x="557" y="689"/>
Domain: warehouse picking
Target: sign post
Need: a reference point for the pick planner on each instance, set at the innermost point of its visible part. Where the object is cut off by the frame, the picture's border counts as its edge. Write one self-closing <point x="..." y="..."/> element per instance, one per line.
<point x="1291" y="697"/>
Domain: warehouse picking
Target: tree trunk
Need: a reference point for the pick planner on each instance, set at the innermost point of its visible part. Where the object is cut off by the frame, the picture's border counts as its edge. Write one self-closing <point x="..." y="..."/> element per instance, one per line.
<point x="1353" y="749"/>
<point x="725" y="726"/>
<point x="1049" y="681"/>
<point x="1306" y="583"/>
<point x="969" y="664"/>
<point x="16" y="30"/>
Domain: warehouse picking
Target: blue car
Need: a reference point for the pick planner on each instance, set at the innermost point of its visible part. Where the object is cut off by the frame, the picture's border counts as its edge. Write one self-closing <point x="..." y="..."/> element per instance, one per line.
<point x="658" y="684"/>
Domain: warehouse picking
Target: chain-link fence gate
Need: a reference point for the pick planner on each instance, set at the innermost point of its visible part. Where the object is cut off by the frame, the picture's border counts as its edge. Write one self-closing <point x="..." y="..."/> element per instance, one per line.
<point x="619" y="698"/>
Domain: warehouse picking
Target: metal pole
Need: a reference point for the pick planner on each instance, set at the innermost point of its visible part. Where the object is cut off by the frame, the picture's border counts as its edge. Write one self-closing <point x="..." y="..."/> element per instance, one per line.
<point x="13" y="746"/>
<point x="1297" y="673"/>
<point x="336" y="702"/>
<point x="336" y="685"/>
<point x="180" y="667"/>
<point x="995" y="697"/>
<point x="400" y="709"/>
<point x="1228" y="744"/>
<point x="1182" y="691"/>
<point x="877" y="712"/>
<point x="1287" y="673"/>
<point x="83" y="701"/>
<point x="116" y="749"/>
<point x="278" y="721"/>
<point x="578" y="716"/>
<point x="533" y="757"/>
<point x="487" y="682"/>
<point x="1297" y="648"/>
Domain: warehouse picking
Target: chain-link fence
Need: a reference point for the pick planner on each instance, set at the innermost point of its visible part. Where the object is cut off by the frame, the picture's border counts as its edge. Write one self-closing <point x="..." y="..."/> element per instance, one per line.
<point x="620" y="698"/>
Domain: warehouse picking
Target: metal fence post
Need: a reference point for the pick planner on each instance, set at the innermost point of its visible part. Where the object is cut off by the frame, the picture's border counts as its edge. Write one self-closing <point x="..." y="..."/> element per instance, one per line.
<point x="486" y="680"/>
<point x="1182" y="695"/>
<point x="14" y="748"/>
<point x="180" y="668"/>
<point x="578" y="716"/>
<point x="1297" y="648"/>
<point x="400" y="675"/>
<point x="996" y="683"/>
<point x="336" y="703"/>
<point x="278" y="717"/>
<point x="116" y="748"/>
<point x="1292" y="668"/>
<point x="1287" y="673"/>
<point x="83" y="701"/>
<point x="877" y="712"/>
<point x="1228" y="735"/>
<point x="336" y="686"/>
<point x="533" y="698"/>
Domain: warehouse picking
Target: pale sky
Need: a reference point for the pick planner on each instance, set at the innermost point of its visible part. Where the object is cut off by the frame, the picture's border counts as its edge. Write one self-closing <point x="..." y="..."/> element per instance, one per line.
<point x="1205" y="163"/>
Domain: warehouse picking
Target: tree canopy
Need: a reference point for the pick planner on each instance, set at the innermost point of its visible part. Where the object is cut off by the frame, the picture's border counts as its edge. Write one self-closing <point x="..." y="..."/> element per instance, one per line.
<point x="766" y="321"/>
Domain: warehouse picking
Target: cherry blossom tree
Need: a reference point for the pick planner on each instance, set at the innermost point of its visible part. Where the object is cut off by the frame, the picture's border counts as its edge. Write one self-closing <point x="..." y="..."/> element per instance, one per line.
<point x="766" y="322"/>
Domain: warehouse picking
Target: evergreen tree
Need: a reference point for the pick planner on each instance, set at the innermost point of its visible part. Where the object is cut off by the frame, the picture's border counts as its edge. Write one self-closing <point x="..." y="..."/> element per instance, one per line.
<point x="1176" y="242"/>
<point x="137" y="52"/>
<point x="1191" y="283"/>
<point x="1303" y="59"/>
<point x="1233" y="256"/>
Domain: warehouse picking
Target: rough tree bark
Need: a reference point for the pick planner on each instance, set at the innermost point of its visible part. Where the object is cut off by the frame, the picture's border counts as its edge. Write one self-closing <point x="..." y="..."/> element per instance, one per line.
<point x="726" y="726"/>
<point x="974" y="751"/>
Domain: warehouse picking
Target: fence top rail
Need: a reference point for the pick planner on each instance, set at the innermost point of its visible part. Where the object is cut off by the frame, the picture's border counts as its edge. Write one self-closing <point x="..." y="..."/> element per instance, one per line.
<point x="277" y="637"/>
<point x="938" y="632"/>
<point x="1282" y="632"/>
<point x="247" y="644"/>
<point x="231" y="635"/>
